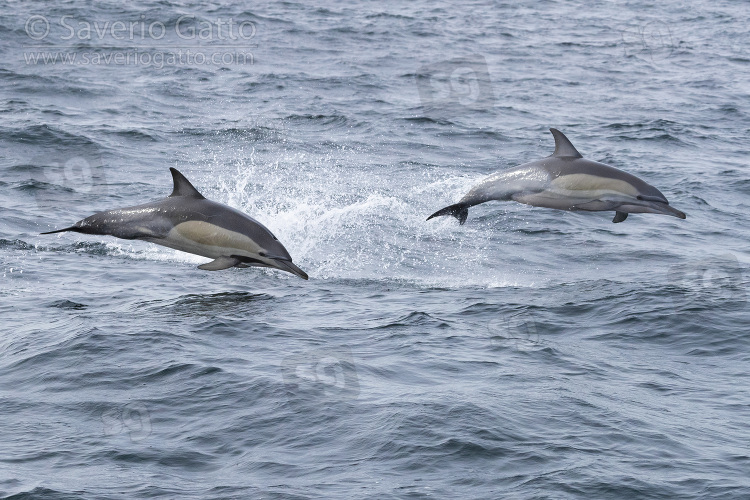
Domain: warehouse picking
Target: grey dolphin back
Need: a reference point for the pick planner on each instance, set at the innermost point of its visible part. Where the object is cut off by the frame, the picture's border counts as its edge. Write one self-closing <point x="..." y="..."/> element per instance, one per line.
<point x="89" y="225"/>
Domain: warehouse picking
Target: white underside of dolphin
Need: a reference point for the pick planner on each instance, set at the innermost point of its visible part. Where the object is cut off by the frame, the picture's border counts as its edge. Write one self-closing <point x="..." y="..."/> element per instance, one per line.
<point x="189" y="222"/>
<point x="566" y="181"/>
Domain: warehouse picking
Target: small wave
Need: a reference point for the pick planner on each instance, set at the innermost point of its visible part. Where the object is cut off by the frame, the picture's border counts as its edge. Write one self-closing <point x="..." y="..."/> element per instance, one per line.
<point x="210" y="305"/>
<point x="33" y="185"/>
<point x="135" y="134"/>
<point x="68" y="304"/>
<point x="416" y="318"/>
<point x="47" y="136"/>
<point x="87" y="247"/>
<point x="320" y="122"/>
<point x="428" y="120"/>
<point x="249" y="134"/>
<point x="15" y="244"/>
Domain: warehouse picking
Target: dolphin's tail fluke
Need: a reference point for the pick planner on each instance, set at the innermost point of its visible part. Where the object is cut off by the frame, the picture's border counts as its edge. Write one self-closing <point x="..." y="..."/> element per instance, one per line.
<point x="71" y="228"/>
<point x="460" y="211"/>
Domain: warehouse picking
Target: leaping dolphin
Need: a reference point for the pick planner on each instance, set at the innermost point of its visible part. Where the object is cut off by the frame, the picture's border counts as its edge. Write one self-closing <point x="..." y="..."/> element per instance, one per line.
<point x="566" y="181"/>
<point x="189" y="222"/>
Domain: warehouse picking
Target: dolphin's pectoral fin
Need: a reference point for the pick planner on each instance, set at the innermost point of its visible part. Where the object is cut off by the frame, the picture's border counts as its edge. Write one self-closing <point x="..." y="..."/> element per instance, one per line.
<point x="220" y="263"/>
<point x="620" y="216"/>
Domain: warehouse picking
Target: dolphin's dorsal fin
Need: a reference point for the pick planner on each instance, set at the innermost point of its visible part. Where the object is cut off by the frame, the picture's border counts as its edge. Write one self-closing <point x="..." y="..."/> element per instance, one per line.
<point x="182" y="186"/>
<point x="563" y="147"/>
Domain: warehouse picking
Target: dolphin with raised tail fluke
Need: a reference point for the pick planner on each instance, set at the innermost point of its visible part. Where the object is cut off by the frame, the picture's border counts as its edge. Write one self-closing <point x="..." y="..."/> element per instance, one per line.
<point x="566" y="181"/>
<point x="187" y="221"/>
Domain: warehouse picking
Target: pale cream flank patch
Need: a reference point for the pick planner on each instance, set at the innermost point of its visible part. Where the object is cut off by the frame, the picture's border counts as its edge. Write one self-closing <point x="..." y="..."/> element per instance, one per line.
<point x="595" y="186"/>
<point x="209" y="240"/>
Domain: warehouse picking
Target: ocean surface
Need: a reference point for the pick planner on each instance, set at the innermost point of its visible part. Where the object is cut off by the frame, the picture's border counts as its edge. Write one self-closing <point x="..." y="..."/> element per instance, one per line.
<point x="530" y="353"/>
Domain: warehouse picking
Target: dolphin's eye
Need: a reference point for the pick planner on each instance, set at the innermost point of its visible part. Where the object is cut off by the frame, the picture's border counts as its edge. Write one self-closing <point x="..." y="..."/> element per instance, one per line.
<point x="639" y="197"/>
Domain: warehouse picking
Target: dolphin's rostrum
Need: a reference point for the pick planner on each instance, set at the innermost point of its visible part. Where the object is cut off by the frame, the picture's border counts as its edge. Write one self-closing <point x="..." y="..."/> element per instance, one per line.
<point x="566" y="181"/>
<point x="189" y="222"/>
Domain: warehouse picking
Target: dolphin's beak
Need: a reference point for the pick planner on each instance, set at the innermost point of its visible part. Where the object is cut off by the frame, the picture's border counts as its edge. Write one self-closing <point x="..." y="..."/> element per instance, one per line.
<point x="667" y="210"/>
<point x="652" y="207"/>
<point x="288" y="266"/>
